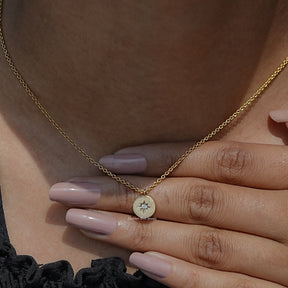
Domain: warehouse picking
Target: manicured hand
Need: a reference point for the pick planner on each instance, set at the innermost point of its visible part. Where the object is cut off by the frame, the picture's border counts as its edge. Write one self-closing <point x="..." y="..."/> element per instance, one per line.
<point x="222" y="217"/>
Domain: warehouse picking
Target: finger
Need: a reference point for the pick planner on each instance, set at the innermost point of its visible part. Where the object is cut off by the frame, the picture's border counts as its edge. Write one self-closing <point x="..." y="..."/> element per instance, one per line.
<point x="253" y="165"/>
<point x="245" y="164"/>
<point x="279" y="116"/>
<point x="149" y="160"/>
<point x="188" y="200"/>
<point x="212" y="248"/>
<point x="177" y="273"/>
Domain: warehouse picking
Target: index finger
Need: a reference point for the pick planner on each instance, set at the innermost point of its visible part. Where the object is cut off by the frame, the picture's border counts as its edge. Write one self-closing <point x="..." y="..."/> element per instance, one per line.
<point x="245" y="164"/>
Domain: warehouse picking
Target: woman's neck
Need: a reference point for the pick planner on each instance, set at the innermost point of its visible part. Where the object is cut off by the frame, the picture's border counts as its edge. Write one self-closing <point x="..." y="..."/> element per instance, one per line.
<point x="155" y="59"/>
<point x="158" y="48"/>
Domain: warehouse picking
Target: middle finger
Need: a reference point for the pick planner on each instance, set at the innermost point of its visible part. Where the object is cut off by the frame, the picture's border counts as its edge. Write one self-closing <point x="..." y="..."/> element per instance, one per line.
<point x="188" y="200"/>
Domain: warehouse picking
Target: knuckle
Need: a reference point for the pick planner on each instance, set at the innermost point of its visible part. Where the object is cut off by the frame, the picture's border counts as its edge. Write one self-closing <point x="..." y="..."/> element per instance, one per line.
<point x="190" y="279"/>
<point x="231" y="162"/>
<point x="201" y="202"/>
<point x="124" y="197"/>
<point x="209" y="248"/>
<point x="140" y="235"/>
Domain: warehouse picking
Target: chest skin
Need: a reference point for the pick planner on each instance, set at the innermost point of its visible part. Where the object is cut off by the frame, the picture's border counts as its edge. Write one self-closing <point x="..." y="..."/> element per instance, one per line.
<point x="37" y="227"/>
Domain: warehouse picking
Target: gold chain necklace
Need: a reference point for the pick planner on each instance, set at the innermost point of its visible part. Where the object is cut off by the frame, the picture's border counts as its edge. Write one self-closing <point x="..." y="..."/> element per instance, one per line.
<point x="144" y="205"/>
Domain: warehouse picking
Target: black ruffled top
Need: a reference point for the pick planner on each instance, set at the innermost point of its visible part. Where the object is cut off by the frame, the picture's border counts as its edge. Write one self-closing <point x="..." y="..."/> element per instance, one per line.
<point x="22" y="271"/>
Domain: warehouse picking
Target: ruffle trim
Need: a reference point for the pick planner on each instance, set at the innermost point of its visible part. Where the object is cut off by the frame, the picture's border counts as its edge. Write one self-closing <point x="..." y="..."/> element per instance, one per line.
<point x="23" y="272"/>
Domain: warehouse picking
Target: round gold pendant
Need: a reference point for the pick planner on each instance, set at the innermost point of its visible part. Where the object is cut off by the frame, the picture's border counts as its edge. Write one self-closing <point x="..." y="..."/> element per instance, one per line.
<point x="144" y="206"/>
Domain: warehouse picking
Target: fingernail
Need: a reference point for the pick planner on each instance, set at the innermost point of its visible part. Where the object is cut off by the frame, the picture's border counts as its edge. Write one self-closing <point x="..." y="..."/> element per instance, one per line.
<point x="75" y="193"/>
<point x="124" y="163"/>
<point x="151" y="264"/>
<point x="279" y="116"/>
<point x="92" y="221"/>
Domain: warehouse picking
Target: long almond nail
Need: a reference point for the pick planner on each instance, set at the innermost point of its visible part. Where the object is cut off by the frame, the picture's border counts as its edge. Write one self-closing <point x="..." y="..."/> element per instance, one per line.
<point x="124" y="163"/>
<point x="151" y="264"/>
<point x="75" y="193"/>
<point x="93" y="221"/>
<point x="279" y="116"/>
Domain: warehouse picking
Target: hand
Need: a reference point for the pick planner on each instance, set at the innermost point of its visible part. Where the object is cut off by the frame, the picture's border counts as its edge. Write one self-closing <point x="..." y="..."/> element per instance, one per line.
<point x="256" y="251"/>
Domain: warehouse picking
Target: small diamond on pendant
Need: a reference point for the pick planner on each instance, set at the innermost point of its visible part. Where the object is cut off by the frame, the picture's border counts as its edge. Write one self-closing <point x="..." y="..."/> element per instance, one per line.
<point x="144" y="206"/>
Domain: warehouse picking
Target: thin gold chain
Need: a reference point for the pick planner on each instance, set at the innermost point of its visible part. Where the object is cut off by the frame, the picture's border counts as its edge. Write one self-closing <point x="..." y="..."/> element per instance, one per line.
<point x="124" y="182"/>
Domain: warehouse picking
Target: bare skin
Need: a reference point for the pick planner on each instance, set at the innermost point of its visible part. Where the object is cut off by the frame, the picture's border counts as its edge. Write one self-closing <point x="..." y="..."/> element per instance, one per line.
<point x="172" y="69"/>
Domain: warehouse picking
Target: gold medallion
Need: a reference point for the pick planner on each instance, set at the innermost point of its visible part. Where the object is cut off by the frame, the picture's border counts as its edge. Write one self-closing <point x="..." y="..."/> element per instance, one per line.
<point x="144" y="207"/>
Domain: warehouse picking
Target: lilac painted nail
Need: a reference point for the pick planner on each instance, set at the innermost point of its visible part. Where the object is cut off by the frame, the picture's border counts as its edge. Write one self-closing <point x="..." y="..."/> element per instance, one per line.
<point x="279" y="116"/>
<point x="93" y="221"/>
<point x="75" y="193"/>
<point x="124" y="163"/>
<point x="151" y="264"/>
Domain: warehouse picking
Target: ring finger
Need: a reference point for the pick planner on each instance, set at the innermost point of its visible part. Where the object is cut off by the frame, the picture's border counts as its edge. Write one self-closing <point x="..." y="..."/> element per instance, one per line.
<point x="201" y="245"/>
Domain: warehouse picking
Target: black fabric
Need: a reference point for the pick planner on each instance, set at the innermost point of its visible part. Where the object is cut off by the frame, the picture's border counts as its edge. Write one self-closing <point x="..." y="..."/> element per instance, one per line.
<point x="22" y="271"/>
